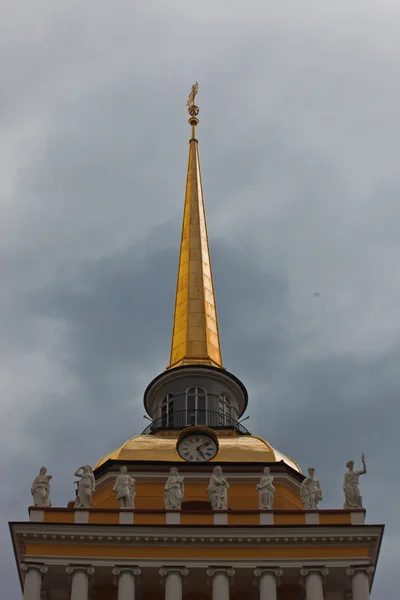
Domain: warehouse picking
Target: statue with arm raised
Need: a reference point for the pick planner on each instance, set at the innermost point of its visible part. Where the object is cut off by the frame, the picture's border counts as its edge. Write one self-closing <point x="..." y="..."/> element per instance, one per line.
<point x="351" y="488"/>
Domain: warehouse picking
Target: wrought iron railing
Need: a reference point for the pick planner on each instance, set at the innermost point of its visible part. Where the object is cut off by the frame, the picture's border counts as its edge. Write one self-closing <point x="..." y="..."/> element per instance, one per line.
<point x="186" y="418"/>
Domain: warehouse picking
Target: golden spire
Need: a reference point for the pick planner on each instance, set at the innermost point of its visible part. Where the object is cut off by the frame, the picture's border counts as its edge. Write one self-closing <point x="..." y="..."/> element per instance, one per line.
<point x="195" y="336"/>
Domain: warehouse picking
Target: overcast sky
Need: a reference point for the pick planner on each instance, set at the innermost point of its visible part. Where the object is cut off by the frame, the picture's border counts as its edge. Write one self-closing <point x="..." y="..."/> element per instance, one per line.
<point x="299" y="143"/>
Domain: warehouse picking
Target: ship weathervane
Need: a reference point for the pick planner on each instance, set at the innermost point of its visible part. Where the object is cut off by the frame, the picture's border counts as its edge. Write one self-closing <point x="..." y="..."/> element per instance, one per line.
<point x="192" y="108"/>
<point x="193" y="94"/>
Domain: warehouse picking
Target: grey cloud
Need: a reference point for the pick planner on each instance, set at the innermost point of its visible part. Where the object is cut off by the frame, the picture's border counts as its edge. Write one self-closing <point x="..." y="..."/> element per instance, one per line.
<point x="299" y="145"/>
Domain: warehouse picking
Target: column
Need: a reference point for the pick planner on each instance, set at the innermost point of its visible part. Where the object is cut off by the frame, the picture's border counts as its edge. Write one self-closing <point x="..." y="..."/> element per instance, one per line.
<point x="267" y="581"/>
<point x="126" y="582"/>
<point x="172" y="577"/>
<point x="220" y="582"/>
<point x="80" y="581"/>
<point x="33" y="580"/>
<point x="360" y="581"/>
<point x="314" y="582"/>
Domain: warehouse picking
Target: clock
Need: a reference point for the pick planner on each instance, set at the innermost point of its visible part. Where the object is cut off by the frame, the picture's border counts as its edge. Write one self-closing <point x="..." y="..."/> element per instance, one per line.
<point x="197" y="447"/>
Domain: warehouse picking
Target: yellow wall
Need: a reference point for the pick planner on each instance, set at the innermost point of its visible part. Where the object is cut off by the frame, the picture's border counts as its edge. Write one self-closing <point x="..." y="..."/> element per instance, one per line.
<point x="334" y="518"/>
<point x="197" y="519"/>
<point x="289" y="519"/>
<point x="59" y="516"/>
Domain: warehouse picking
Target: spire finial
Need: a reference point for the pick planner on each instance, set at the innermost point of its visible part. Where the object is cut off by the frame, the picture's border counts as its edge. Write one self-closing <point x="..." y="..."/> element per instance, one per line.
<point x="193" y="110"/>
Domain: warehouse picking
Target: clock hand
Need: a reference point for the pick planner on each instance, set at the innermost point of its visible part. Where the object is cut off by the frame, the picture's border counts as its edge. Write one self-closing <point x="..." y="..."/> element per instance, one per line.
<point x="200" y="452"/>
<point x="203" y="444"/>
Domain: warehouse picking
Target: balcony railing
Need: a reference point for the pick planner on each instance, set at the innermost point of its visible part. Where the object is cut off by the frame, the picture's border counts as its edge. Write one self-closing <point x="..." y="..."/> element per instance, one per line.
<point x="186" y="418"/>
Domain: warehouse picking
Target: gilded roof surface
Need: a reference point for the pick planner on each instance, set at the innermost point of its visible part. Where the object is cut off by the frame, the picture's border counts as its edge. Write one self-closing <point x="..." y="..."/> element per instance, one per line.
<point x="151" y="448"/>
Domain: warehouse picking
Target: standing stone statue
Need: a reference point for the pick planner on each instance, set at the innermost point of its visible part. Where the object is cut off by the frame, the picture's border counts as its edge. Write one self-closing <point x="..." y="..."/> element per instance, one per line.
<point x="266" y="491"/>
<point x="218" y="490"/>
<point x="86" y="487"/>
<point x="310" y="491"/>
<point x="124" y="488"/>
<point x="352" y="495"/>
<point x="40" y="488"/>
<point x="174" y="490"/>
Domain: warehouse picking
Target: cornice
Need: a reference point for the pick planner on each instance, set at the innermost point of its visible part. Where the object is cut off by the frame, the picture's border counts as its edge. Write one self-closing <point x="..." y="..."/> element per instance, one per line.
<point x="208" y="535"/>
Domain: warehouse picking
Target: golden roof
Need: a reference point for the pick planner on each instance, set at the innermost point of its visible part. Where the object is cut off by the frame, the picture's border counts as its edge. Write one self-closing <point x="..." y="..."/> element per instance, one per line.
<point x="195" y="336"/>
<point x="151" y="448"/>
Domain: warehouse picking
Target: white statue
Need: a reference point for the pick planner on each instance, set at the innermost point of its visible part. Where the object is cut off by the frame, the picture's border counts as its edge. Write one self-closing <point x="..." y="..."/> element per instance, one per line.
<point x="310" y="491"/>
<point x="266" y="491"/>
<point x="174" y="490"/>
<point x="86" y="487"/>
<point x="40" y="488"/>
<point x="124" y="488"/>
<point x="218" y="490"/>
<point x="352" y="495"/>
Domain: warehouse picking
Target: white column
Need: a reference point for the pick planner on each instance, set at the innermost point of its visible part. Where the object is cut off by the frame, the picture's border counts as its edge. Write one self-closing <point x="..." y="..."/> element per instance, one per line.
<point x="33" y="580"/>
<point x="220" y="582"/>
<point x="314" y="583"/>
<point x="80" y="581"/>
<point x="360" y="581"/>
<point x="126" y="582"/>
<point x="172" y="578"/>
<point x="267" y="582"/>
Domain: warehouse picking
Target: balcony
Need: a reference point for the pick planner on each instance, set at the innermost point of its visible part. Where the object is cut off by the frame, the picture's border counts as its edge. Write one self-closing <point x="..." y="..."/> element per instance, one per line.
<point x="187" y="418"/>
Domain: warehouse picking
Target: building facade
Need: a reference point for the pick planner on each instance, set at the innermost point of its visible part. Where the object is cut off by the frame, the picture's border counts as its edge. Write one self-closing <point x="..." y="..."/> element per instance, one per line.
<point x="195" y="508"/>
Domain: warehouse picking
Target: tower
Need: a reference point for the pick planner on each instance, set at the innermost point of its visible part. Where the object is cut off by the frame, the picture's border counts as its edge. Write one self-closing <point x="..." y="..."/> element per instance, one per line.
<point x="194" y="508"/>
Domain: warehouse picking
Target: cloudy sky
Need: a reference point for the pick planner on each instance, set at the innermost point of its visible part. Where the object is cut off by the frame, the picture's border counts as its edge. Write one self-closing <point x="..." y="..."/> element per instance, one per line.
<point x="299" y="140"/>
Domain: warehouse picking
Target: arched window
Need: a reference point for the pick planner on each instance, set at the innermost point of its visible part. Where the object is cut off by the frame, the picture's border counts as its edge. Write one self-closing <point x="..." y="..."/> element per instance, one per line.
<point x="196" y="404"/>
<point x="167" y="411"/>
<point x="224" y="410"/>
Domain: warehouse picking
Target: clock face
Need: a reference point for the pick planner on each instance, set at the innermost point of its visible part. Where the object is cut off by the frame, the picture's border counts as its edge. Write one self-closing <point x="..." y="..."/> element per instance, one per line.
<point x="197" y="447"/>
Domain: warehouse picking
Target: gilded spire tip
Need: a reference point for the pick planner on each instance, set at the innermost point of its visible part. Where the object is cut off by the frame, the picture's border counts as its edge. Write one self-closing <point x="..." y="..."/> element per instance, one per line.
<point x="193" y="110"/>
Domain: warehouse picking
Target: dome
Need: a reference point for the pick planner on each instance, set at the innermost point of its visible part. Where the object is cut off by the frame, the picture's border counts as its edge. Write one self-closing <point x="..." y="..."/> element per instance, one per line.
<point x="151" y="448"/>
